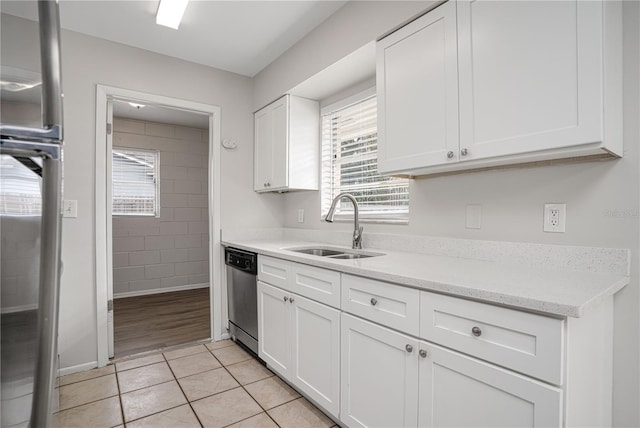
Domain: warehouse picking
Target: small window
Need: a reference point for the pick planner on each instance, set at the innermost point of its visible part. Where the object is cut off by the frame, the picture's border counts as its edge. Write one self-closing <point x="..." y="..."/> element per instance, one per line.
<point x="20" y="188"/>
<point x="350" y="164"/>
<point x="135" y="182"/>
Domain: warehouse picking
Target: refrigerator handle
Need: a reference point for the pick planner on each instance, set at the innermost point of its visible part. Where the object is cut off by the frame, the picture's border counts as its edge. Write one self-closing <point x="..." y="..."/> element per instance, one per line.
<point x="49" y="15"/>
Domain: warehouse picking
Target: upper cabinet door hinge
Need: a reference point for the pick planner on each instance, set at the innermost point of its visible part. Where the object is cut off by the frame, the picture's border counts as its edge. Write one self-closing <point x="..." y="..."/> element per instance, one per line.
<point x="109" y="126"/>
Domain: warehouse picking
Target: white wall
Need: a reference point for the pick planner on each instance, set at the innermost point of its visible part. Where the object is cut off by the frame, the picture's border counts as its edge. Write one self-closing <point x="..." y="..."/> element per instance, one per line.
<point x="87" y="61"/>
<point x="350" y="28"/>
<point x="602" y="197"/>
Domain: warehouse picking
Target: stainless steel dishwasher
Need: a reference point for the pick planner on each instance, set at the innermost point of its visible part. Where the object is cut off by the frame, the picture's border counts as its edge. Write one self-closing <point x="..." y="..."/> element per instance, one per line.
<point x="242" y="291"/>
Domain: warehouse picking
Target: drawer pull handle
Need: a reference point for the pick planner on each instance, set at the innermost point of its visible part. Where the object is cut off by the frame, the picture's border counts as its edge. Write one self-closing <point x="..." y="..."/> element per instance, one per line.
<point x="409" y="348"/>
<point x="374" y="301"/>
<point x="291" y="300"/>
<point x="285" y="298"/>
<point x="423" y="353"/>
<point x="450" y="155"/>
<point x="476" y="331"/>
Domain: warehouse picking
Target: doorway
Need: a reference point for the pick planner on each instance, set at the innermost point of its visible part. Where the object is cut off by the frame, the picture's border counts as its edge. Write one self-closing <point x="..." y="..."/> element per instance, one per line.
<point x="143" y="257"/>
<point x="160" y="232"/>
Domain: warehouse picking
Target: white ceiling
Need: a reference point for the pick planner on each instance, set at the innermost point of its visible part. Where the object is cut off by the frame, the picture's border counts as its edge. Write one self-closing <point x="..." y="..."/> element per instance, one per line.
<point x="238" y="36"/>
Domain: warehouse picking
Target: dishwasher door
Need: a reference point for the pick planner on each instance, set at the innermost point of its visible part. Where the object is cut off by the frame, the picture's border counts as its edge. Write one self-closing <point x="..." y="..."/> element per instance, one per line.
<point x="242" y="290"/>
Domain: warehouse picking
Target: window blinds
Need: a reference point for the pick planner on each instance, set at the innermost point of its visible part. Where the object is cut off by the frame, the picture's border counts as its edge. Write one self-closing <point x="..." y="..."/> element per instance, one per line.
<point x="134" y="182"/>
<point x="19" y="188"/>
<point x="350" y="164"/>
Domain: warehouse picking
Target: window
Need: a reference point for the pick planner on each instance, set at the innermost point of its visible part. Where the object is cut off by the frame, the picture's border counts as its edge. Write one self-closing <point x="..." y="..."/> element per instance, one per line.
<point x="20" y="188"/>
<point x="350" y="164"/>
<point x="135" y="182"/>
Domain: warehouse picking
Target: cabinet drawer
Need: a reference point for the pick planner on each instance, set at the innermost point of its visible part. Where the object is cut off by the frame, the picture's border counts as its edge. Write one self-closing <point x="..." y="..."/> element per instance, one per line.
<point x="274" y="271"/>
<point x="321" y="285"/>
<point x="527" y="343"/>
<point x="390" y="305"/>
<point x="318" y="284"/>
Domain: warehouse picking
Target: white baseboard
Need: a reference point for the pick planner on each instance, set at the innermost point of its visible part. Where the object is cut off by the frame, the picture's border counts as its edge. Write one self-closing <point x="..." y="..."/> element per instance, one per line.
<point x="159" y="290"/>
<point x="79" y="368"/>
<point x="21" y="308"/>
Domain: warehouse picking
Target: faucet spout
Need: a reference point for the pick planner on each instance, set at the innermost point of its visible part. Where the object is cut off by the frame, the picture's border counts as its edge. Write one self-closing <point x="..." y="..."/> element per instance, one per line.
<point x="357" y="229"/>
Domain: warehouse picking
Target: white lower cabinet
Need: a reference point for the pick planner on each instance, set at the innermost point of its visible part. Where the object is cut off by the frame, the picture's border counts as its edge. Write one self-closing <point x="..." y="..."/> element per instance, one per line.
<point x="393" y="380"/>
<point x="300" y="340"/>
<point x="274" y="320"/>
<point x="459" y="391"/>
<point x="379" y="376"/>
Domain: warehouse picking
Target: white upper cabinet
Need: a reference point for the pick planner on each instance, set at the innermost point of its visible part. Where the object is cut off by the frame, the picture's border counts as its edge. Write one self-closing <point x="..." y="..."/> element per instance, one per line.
<point x="418" y="95"/>
<point x="287" y="145"/>
<point x="484" y="83"/>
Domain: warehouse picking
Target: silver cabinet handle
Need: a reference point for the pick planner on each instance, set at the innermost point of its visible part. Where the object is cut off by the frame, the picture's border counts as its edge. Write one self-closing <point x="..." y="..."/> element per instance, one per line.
<point x="374" y="301"/>
<point x="291" y="299"/>
<point x="285" y="298"/>
<point x="450" y="155"/>
<point x="409" y="348"/>
<point x="464" y="152"/>
<point x="423" y="353"/>
<point x="476" y="331"/>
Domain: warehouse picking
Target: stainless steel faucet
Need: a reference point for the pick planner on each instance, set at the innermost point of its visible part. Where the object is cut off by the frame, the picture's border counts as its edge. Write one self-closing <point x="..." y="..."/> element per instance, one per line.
<point x="357" y="229"/>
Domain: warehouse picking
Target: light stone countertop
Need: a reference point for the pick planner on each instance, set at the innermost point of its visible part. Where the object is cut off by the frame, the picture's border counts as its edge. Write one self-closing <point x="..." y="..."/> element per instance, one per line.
<point x="557" y="292"/>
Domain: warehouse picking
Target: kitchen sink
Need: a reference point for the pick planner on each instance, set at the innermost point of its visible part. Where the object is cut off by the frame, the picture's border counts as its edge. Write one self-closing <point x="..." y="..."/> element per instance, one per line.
<point x="323" y="252"/>
<point x="353" y="256"/>
<point x="334" y="253"/>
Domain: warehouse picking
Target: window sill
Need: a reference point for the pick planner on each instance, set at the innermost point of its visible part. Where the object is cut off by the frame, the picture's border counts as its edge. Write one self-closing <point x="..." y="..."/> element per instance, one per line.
<point x="396" y="221"/>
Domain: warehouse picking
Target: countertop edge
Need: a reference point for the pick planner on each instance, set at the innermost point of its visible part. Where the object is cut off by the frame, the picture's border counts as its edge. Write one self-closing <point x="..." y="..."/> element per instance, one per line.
<point x="548" y="308"/>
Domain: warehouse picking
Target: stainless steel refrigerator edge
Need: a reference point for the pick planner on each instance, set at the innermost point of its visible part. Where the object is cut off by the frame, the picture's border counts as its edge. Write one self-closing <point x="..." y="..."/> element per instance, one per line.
<point x="25" y="144"/>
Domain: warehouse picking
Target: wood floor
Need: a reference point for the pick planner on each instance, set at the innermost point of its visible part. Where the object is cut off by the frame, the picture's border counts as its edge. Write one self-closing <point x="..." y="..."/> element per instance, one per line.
<point x="156" y="321"/>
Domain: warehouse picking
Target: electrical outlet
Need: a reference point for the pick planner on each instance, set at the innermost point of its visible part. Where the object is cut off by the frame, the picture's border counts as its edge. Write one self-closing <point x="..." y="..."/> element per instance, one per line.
<point x="555" y="217"/>
<point x="301" y="215"/>
<point x="474" y="217"/>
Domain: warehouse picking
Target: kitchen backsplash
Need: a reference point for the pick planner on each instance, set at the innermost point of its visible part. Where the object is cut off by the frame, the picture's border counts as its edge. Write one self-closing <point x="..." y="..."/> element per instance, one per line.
<point x="587" y="259"/>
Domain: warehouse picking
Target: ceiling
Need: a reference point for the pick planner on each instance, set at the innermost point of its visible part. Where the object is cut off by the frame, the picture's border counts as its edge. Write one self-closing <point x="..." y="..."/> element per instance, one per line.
<point x="238" y="36"/>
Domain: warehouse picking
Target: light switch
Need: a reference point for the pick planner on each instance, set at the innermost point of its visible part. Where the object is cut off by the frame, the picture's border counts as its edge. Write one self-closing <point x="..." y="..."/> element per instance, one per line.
<point x="474" y="216"/>
<point x="70" y="209"/>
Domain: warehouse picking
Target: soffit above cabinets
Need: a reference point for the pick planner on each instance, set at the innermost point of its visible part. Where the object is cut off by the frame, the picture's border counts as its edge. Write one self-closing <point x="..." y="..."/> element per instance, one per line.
<point x="238" y="36"/>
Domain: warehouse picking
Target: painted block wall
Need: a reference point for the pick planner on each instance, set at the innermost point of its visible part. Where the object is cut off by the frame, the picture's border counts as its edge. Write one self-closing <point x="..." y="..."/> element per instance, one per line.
<point x="155" y="254"/>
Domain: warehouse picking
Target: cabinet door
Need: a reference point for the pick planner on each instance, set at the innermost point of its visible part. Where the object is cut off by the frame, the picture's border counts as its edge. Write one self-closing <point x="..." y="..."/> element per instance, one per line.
<point x="271" y="139"/>
<point x="379" y="376"/>
<point x="263" y="154"/>
<point x="316" y="352"/>
<point x="418" y="93"/>
<point x="280" y="129"/>
<point x="459" y="391"/>
<point x="274" y="328"/>
<point x="530" y="75"/>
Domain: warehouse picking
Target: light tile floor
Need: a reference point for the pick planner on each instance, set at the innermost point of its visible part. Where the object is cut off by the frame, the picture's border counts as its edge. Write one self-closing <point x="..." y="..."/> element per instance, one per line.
<point x="212" y="385"/>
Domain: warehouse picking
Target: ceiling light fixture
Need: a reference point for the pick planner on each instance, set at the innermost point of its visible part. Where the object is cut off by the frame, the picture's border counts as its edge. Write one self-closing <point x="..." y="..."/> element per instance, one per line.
<point x="170" y="13"/>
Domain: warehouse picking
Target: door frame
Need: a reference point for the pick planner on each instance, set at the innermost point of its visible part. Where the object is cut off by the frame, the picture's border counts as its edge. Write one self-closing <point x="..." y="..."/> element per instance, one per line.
<point x="103" y="235"/>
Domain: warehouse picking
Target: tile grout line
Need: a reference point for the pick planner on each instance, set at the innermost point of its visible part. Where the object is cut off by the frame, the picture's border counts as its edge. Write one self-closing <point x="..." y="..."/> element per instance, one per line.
<point x="120" y="397"/>
<point x="182" y="390"/>
<point x="247" y="392"/>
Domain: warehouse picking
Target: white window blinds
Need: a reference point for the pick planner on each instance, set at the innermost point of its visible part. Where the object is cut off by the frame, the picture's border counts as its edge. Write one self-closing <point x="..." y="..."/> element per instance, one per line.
<point x="350" y="164"/>
<point x="20" y="188"/>
<point x="135" y="182"/>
